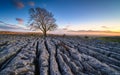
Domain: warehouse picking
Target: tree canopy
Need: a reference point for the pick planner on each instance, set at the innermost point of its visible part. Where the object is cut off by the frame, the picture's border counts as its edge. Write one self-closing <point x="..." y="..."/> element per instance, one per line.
<point x="42" y="19"/>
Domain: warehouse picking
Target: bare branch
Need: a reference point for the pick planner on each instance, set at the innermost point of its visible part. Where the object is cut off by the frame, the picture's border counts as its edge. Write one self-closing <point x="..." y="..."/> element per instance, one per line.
<point x="42" y="19"/>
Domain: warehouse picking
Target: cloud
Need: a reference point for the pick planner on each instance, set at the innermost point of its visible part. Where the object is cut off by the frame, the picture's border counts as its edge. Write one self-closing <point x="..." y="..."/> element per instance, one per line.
<point x="1" y="22"/>
<point x="31" y="3"/>
<point x="66" y="27"/>
<point x="20" y="21"/>
<point x="105" y="27"/>
<point x="18" y="4"/>
<point x="9" y="27"/>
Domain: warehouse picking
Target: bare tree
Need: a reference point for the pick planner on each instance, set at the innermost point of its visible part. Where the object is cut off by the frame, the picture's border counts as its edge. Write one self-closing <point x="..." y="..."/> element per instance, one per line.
<point x="42" y="19"/>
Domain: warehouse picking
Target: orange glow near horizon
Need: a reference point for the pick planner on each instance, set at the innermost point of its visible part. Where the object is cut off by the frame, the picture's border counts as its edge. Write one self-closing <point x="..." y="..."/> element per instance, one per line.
<point x="112" y="27"/>
<point x="90" y="33"/>
<point x="97" y="33"/>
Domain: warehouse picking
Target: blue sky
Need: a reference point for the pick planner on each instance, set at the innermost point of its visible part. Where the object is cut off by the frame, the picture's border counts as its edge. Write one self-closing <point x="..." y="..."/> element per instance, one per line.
<point x="70" y="14"/>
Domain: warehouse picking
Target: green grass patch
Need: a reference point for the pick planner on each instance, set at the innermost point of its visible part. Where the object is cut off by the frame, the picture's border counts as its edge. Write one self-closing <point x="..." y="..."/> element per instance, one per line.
<point x="110" y="39"/>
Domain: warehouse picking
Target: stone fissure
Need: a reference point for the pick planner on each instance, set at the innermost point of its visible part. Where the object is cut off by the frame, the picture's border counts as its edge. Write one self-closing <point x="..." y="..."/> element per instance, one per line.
<point x="36" y="61"/>
<point x="58" y="56"/>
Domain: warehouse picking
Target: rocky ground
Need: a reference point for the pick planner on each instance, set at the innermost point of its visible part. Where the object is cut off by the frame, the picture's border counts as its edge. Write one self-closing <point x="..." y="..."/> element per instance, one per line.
<point x="33" y="55"/>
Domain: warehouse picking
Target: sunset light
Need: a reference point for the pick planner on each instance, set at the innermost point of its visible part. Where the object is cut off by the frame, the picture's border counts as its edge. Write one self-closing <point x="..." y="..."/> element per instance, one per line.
<point x="59" y="37"/>
<point x="70" y="15"/>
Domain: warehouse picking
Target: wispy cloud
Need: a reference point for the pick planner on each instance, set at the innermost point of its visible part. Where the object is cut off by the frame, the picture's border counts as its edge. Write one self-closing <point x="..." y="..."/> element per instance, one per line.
<point x="20" y="21"/>
<point x="18" y="4"/>
<point x="1" y="21"/>
<point x="9" y="27"/>
<point x="66" y="27"/>
<point x="31" y="3"/>
<point x="105" y="27"/>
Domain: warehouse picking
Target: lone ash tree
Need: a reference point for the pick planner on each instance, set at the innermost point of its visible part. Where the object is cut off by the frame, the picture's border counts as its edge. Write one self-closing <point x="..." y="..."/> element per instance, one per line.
<point x="42" y="19"/>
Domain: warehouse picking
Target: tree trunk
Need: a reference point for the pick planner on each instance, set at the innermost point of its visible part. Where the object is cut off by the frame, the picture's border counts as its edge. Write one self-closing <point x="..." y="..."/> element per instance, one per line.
<point x="44" y="34"/>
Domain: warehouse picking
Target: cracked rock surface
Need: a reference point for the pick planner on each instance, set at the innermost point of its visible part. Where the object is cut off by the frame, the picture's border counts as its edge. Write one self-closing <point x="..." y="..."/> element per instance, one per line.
<point x="33" y="55"/>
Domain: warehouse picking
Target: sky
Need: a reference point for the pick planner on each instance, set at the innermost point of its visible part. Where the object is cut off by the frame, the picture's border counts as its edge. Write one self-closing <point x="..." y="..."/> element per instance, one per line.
<point x="70" y="15"/>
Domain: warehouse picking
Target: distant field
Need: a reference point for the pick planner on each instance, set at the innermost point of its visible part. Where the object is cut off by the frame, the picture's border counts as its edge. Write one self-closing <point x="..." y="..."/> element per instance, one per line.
<point x="20" y="33"/>
<point x="111" y="39"/>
